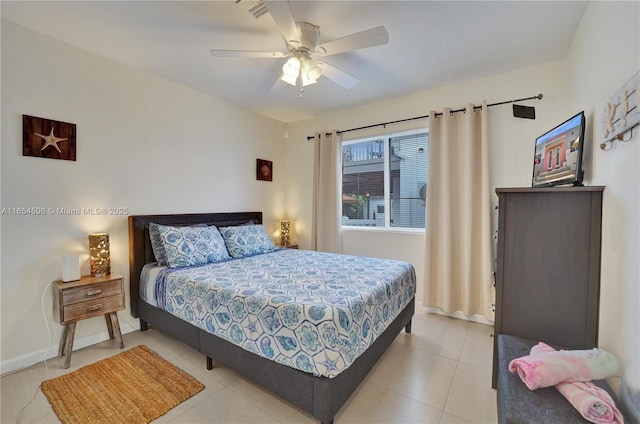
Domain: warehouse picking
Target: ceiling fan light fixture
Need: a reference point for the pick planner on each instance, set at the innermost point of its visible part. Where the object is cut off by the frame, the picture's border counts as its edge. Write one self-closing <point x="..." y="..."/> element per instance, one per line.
<point x="307" y="81"/>
<point x="311" y="69"/>
<point x="301" y="42"/>
<point x="291" y="67"/>
<point x="291" y="80"/>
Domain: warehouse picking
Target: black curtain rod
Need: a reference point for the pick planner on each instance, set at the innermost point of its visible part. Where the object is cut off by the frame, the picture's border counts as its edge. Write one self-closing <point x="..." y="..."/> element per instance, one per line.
<point x="384" y="124"/>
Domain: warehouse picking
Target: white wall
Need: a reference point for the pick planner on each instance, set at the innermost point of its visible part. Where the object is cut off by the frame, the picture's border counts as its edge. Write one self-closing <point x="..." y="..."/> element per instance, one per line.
<point x="604" y="55"/>
<point x="143" y="143"/>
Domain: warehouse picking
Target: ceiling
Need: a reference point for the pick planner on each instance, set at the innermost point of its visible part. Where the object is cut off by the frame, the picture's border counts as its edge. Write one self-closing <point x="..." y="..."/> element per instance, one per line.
<point x="431" y="44"/>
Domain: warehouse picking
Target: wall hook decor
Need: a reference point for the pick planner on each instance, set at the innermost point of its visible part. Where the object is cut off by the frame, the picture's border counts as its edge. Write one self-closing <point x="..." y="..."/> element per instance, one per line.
<point x="621" y="114"/>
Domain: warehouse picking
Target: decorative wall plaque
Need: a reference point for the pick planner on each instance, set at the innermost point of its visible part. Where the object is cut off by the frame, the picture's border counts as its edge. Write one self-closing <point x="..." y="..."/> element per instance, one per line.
<point x="264" y="170"/>
<point x="47" y="138"/>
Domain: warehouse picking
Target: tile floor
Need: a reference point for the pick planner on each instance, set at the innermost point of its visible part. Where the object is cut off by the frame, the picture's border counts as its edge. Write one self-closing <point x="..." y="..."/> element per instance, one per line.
<point x="440" y="373"/>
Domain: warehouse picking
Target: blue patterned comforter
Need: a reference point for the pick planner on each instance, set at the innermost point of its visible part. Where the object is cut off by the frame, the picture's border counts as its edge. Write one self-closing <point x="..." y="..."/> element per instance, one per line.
<point x="313" y="311"/>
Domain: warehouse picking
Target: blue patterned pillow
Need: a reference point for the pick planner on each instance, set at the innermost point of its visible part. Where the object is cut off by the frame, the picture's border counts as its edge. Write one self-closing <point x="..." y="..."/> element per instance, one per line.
<point x="156" y="243"/>
<point x="193" y="245"/>
<point x="246" y="240"/>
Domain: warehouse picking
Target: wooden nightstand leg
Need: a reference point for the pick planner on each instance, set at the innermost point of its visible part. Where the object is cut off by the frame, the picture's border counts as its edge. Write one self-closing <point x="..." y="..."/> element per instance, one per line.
<point x="115" y="324"/>
<point x="107" y="318"/>
<point x="63" y="339"/>
<point x="71" y="331"/>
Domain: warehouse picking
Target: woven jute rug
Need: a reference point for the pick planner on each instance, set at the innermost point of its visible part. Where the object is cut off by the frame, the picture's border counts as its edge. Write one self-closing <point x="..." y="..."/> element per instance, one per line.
<point x="136" y="386"/>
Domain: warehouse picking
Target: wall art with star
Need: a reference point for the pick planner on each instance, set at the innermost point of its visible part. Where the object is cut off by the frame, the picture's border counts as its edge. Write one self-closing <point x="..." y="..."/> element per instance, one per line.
<point x="46" y="138"/>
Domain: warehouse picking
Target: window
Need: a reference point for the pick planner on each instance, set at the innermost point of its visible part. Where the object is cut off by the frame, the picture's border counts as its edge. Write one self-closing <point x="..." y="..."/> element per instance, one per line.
<point x="382" y="174"/>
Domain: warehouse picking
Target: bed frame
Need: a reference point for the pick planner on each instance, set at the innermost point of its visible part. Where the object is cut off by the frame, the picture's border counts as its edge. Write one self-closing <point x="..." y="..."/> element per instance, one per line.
<point x="321" y="397"/>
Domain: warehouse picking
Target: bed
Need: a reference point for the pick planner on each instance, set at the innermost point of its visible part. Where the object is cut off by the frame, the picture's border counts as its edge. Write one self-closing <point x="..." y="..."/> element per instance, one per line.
<point x="319" y="391"/>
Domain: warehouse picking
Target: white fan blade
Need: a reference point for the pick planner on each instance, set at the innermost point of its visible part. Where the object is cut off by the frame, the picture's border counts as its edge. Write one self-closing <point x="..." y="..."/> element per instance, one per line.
<point x="338" y="76"/>
<point x="281" y="14"/>
<point x="247" y="53"/>
<point x="278" y="86"/>
<point x="360" y="40"/>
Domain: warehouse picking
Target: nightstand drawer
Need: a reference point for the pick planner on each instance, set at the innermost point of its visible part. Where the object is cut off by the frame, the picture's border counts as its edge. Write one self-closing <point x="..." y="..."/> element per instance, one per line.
<point x="93" y="308"/>
<point x="91" y="292"/>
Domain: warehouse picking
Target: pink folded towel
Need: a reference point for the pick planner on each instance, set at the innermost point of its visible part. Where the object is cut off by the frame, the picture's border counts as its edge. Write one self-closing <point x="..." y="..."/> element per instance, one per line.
<point x="594" y="404"/>
<point x="545" y="369"/>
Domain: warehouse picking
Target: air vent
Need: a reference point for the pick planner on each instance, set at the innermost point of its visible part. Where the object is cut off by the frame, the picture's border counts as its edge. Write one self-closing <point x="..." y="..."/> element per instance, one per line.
<point x="256" y="7"/>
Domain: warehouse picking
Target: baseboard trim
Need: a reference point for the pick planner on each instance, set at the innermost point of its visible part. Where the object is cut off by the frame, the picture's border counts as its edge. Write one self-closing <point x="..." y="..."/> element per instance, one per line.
<point x="25" y="361"/>
<point x="459" y="315"/>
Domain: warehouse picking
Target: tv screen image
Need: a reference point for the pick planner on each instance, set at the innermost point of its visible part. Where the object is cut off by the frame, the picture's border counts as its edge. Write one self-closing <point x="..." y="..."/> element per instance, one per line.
<point x="558" y="154"/>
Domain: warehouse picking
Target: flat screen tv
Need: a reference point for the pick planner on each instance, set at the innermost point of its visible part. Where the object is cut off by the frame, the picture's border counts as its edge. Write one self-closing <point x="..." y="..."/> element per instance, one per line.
<point x="558" y="154"/>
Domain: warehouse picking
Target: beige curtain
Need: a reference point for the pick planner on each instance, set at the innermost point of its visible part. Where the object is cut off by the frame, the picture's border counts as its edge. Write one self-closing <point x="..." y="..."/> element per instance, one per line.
<point x="327" y="178"/>
<point x="458" y="272"/>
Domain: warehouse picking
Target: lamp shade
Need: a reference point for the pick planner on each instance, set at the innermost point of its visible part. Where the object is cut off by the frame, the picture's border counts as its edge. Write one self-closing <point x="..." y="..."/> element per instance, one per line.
<point x="291" y="67"/>
<point x="311" y="71"/>
<point x="100" y="254"/>
<point x="289" y="79"/>
<point x="285" y="232"/>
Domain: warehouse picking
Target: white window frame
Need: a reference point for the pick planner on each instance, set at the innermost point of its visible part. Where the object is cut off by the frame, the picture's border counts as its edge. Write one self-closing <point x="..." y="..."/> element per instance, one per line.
<point x="387" y="184"/>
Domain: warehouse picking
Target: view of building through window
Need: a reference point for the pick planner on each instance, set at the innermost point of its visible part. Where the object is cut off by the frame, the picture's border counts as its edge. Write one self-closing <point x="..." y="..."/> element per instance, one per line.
<point x="384" y="181"/>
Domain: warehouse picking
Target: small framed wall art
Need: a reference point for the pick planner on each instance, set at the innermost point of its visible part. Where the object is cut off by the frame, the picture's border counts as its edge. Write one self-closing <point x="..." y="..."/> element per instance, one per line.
<point x="264" y="170"/>
<point x="46" y="138"/>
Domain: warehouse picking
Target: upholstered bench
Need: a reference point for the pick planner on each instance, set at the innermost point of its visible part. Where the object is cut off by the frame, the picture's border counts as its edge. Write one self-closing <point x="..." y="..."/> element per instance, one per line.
<point x="518" y="404"/>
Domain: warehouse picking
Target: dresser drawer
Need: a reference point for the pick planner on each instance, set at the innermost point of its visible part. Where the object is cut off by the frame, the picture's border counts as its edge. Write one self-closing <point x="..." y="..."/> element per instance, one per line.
<point x="93" y="308"/>
<point x="91" y="292"/>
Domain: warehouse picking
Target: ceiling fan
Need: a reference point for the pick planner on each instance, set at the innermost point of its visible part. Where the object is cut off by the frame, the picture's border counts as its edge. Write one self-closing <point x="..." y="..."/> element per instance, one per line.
<point x="301" y="40"/>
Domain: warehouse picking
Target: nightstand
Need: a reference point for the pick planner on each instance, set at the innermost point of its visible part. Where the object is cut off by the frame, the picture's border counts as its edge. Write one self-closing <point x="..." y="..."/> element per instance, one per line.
<point x="288" y="246"/>
<point x="87" y="298"/>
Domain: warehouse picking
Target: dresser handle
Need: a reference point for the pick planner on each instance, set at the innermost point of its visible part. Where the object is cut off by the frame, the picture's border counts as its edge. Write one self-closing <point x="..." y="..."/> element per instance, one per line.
<point x="94" y="292"/>
<point x="94" y="307"/>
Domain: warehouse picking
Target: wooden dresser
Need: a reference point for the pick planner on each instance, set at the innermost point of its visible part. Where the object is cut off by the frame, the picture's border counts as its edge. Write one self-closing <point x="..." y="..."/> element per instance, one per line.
<point x="548" y="266"/>
<point x="87" y="298"/>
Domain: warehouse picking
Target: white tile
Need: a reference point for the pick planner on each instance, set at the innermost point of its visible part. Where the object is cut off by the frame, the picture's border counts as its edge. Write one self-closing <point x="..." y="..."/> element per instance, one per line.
<point x="47" y="419"/>
<point x="417" y="374"/>
<point x="435" y="335"/>
<point x="374" y="404"/>
<point x="451" y="419"/>
<point x="443" y="319"/>
<point x="196" y="361"/>
<point x="471" y="396"/>
<point x="270" y="403"/>
<point x="23" y="402"/>
<point x="181" y="409"/>
<point x="478" y="346"/>
<point x="225" y="406"/>
<point x="160" y="343"/>
<point x="21" y="394"/>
